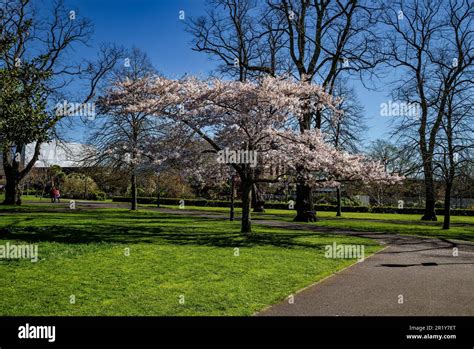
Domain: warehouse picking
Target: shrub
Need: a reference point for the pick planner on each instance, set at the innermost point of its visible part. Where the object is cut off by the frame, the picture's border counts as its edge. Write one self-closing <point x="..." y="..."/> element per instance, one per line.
<point x="420" y="211"/>
<point x="75" y="184"/>
<point x="97" y="196"/>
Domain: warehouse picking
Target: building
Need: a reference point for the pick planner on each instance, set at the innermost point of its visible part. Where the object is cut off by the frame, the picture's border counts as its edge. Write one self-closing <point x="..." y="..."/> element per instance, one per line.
<point x="68" y="156"/>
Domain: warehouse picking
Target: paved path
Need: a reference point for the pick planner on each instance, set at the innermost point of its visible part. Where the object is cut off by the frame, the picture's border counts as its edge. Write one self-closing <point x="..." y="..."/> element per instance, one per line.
<point x="422" y="270"/>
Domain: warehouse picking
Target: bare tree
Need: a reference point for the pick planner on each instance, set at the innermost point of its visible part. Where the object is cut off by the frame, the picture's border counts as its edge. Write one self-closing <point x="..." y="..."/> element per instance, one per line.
<point x="241" y="36"/>
<point x="125" y="140"/>
<point x="431" y="42"/>
<point x="324" y="40"/>
<point x="395" y="159"/>
<point x="345" y="131"/>
<point x="454" y="144"/>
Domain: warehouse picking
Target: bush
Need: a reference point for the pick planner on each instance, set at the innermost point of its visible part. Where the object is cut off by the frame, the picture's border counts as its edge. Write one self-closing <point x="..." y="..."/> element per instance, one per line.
<point x="75" y="185"/>
<point x="420" y="211"/>
<point x="97" y="196"/>
<point x="32" y="192"/>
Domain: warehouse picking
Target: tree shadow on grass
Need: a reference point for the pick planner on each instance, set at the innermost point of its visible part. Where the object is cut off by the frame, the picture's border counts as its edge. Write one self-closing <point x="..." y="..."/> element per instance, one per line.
<point x="185" y="234"/>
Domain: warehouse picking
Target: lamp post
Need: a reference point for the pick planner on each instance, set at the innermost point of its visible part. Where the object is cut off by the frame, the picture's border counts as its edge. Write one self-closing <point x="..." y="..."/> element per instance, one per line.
<point x="232" y="181"/>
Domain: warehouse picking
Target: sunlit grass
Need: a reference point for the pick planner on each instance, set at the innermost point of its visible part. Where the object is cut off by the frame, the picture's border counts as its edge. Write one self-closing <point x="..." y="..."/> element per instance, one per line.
<point x="206" y="263"/>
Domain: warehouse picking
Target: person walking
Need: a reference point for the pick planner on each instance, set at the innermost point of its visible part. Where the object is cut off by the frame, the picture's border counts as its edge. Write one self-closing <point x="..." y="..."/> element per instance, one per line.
<point x="57" y="195"/>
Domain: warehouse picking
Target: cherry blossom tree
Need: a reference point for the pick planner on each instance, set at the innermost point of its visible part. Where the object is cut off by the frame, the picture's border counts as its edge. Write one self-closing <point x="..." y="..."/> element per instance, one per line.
<point x="249" y="127"/>
<point x="256" y="117"/>
<point x="242" y="118"/>
<point x="322" y="165"/>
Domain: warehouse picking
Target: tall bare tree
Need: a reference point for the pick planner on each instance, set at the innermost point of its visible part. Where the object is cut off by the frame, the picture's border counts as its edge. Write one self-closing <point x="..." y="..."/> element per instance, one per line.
<point x="325" y="39"/>
<point x="345" y="131"/>
<point x="125" y="140"/>
<point x="431" y="43"/>
<point x="455" y="143"/>
<point x="241" y="35"/>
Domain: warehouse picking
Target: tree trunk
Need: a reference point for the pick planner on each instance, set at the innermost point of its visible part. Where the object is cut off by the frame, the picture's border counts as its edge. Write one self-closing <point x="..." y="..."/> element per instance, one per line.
<point x="339" y="202"/>
<point x="14" y="175"/>
<point x="258" y="204"/>
<point x="12" y="190"/>
<point x="13" y="178"/>
<point x="430" y="209"/>
<point x="134" y="191"/>
<point x="304" y="204"/>
<point x="246" y="207"/>
<point x="232" y="183"/>
<point x="304" y="198"/>
<point x="447" y="206"/>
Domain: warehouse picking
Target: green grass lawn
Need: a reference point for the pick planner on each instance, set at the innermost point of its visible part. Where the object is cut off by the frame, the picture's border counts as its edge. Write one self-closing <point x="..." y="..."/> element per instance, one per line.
<point x="27" y="197"/>
<point x="172" y="258"/>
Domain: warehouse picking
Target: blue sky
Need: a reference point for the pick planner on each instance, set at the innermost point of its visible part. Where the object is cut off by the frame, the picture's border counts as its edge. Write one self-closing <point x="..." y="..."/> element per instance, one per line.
<point x="154" y="26"/>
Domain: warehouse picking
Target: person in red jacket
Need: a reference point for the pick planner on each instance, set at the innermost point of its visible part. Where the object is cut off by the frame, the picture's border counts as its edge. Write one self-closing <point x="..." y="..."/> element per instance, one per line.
<point x="57" y="195"/>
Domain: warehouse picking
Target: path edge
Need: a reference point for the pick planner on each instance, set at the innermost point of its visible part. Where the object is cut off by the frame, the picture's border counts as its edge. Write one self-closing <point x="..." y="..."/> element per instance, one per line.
<point x="323" y="279"/>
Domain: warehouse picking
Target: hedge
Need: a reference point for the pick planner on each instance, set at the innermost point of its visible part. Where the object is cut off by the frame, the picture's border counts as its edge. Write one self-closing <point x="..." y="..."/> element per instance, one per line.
<point x="420" y="211"/>
<point x="284" y="206"/>
<point x="176" y="202"/>
<point x="93" y="196"/>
